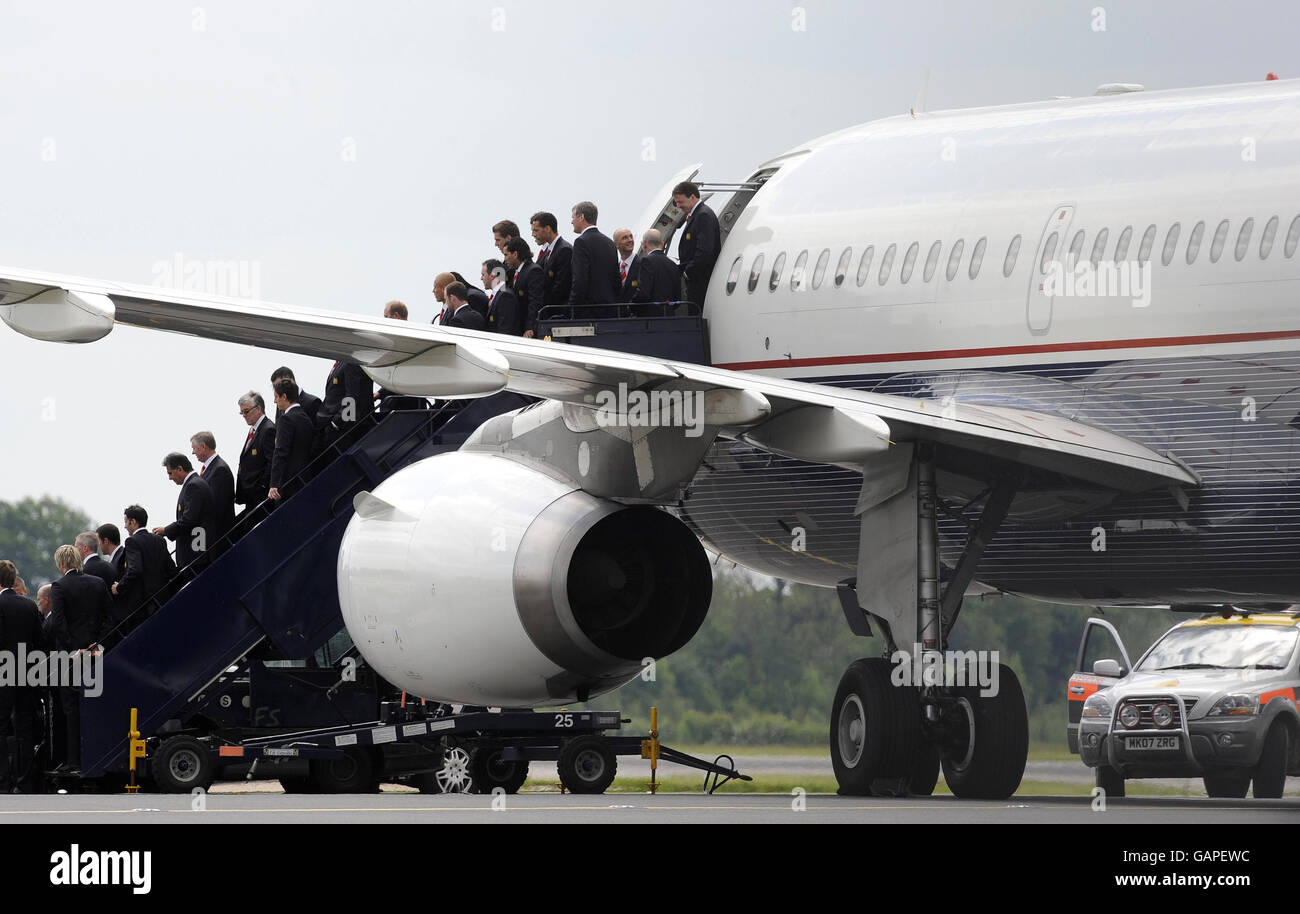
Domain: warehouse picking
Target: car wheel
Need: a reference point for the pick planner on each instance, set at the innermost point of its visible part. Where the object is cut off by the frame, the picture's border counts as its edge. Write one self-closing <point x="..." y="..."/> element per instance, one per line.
<point x="1110" y="781"/>
<point x="1270" y="773"/>
<point x="1227" y="786"/>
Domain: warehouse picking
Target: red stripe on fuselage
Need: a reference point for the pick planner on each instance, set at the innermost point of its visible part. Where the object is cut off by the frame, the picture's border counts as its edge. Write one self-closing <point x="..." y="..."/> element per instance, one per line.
<point x="1085" y="346"/>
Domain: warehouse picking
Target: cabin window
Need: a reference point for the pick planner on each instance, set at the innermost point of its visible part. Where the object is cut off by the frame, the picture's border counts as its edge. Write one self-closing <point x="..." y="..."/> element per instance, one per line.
<point x="1171" y="242"/>
<point x="778" y="267"/>
<point x="1220" y="236"/>
<point x="1266" y="240"/>
<point x="798" y="275"/>
<point x="954" y="259"/>
<point x="734" y="276"/>
<point x="864" y="265"/>
<point x="1121" y="246"/>
<point x="887" y="264"/>
<point x="1292" y="237"/>
<point x="1243" y="238"/>
<point x="819" y="272"/>
<point x="1049" y="249"/>
<point x="1148" y="242"/>
<point x="977" y="258"/>
<point x="931" y="262"/>
<point x="1076" y="248"/>
<point x="842" y="268"/>
<point x="909" y="261"/>
<point x="1194" y="243"/>
<point x="1099" y="247"/>
<point x="756" y="273"/>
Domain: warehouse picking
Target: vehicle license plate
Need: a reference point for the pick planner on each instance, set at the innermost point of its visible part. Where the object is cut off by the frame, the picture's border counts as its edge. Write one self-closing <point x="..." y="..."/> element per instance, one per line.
<point x="1151" y="742"/>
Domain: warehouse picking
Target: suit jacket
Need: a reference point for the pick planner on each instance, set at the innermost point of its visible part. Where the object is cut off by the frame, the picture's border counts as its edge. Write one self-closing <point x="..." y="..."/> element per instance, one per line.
<point x="118" y="561"/>
<point x="309" y="402"/>
<point x="558" y="267"/>
<point x="530" y="289"/>
<point x="478" y="300"/>
<point x="629" y="286"/>
<point x="20" y="623"/>
<point x="101" y="569"/>
<point x="698" y="250"/>
<point x="194" y="511"/>
<point x="148" y="567"/>
<point x="294" y="443"/>
<point x="658" y="279"/>
<point x="595" y="269"/>
<point x="505" y="313"/>
<point x="467" y="317"/>
<point x="346" y="380"/>
<point x="222" y="482"/>
<point x="255" y="465"/>
<point x="80" y="611"/>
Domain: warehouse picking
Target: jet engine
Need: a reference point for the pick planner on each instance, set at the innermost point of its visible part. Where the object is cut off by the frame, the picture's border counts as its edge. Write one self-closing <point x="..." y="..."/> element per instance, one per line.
<point x="471" y="578"/>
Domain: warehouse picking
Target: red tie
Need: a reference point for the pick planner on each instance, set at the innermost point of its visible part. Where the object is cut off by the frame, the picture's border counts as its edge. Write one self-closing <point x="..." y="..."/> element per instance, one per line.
<point x="201" y="469"/>
<point x="546" y="252"/>
<point x="622" y="271"/>
<point x="249" y="439"/>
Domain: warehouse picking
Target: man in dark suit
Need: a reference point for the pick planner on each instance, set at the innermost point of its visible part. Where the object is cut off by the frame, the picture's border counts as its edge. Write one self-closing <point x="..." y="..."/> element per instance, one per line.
<point x="595" y="264"/>
<point x="194" y="529"/>
<point x="629" y="261"/>
<point x="502" y="233"/>
<point x="149" y="566"/>
<point x="658" y="278"/>
<point x="505" y="314"/>
<point x="349" y="398"/>
<point x="110" y="543"/>
<point x="701" y="241"/>
<point x="459" y="312"/>
<point x="87" y="546"/>
<point x="476" y="297"/>
<point x="254" y="477"/>
<point x="20" y="630"/>
<point x="529" y="284"/>
<point x="80" y="616"/>
<point x="555" y="257"/>
<point x="216" y="473"/>
<point x="309" y="402"/>
<point x="294" y="437"/>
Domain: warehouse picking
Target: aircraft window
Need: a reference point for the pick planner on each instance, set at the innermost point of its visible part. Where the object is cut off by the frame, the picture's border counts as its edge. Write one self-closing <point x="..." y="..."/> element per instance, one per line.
<point x="1194" y="243"/>
<point x="734" y="276"/>
<point x="1121" y="246"/>
<point x="1099" y="246"/>
<point x="1266" y="241"/>
<point x="1049" y="248"/>
<point x="1013" y="251"/>
<point x="842" y="268"/>
<point x="1076" y="248"/>
<point x="1171" y="242"/>
<point x="1148" y="240"/>
<point x="1220" y="236"/>
<point x="954" y="259"/>
<point x="756" y="272"/>
<point x="1243" y="238"/>
<point x="1292" y="236"/>
<point x="909" y="261"/>
<point x="931" y="261"/>
<point x="977" y="258"/>
<point x="819" y="272"/>
<point x="887" y="263"/>
<point x="798" y="278"/>
<point x="864" y="265"/>
<point x="778" y="267"/>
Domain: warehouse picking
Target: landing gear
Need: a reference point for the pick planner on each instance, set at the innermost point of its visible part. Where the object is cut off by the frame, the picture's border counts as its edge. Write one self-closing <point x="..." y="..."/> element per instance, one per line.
<point x="988" y="763"/>
<point x="875" y="728"/>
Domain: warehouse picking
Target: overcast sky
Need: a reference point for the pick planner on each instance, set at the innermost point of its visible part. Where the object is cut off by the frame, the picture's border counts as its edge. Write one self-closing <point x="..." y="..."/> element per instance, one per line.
<point x="343" y="153"/>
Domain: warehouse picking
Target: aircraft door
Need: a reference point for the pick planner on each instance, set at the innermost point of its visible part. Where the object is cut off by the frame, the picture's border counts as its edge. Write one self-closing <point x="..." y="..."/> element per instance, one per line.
<point x="1051" y="248"/>
<point x="1095" y="667"/>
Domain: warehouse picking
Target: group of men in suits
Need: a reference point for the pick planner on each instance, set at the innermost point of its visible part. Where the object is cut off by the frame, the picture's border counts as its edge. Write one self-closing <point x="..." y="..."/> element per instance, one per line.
<point x="594" y="271"/>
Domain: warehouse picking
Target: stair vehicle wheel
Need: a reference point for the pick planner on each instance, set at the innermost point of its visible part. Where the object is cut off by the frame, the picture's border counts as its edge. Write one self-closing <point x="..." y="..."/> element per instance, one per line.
<point x="1110" y="780"/>
<point x="1227" y="786"/>
<point x="455" y="775"/>
<point x="297" y="785"/>
<point x="1270" y="773"/>
<point x="875" y="728"/>
<point x="353" y="772"/>
<point x="490" y="771"/>
<point x="991" y="760"/>
<point x="587" y="765"/>
<point x="183" y="763"/>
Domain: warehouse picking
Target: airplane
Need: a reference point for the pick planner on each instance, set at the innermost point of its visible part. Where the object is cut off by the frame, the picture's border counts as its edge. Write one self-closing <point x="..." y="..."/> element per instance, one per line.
<point x="1047" y="349"/>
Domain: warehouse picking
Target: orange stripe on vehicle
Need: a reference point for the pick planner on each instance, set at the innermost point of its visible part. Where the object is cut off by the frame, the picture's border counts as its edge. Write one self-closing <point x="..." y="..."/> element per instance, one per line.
<point x="1266" y="697"/>
<point x="230" y="750"/>
<point x="1088" y="689"/>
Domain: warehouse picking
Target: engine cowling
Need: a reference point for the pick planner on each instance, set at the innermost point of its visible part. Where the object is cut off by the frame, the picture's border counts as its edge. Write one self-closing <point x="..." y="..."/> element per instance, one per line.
<point x="471" y="578"/>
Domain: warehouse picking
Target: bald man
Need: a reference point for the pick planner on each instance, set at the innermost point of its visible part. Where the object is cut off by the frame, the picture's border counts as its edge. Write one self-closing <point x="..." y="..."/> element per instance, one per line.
<point x="658" y="278"/>
<point x="629" y="261"/>
<point x="478" y="299"/>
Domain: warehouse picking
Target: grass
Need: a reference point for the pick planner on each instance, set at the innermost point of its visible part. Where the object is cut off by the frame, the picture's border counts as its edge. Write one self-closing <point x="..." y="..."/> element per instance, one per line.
<point x="1038" y="752"/>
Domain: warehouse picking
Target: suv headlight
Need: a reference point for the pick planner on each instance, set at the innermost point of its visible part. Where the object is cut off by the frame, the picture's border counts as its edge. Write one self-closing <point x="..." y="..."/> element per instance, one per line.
<point x="1130" y="716"/>
<point x="1097" y="707"/>
<point x="1235" y="705"/>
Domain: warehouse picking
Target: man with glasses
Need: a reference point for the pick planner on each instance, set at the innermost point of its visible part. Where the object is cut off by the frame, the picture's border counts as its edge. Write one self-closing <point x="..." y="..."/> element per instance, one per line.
<point x="254" y="477"/>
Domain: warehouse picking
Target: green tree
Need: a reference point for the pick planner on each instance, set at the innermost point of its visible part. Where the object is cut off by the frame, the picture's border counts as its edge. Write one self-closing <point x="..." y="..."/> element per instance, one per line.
<point x="30" y="531"/>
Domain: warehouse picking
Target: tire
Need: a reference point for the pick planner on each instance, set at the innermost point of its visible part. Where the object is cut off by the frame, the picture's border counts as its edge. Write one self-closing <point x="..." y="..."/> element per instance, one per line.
<point x="183" y="763"/>
<point x="454" y="776"/>
<point x="587" y="765"/>
<point x="925" y="775"/>
<point x="354" y="772"/>
<point x="1270" y="773"/>
<point x="994" y="760"/>
<point x="1227" y="786"/>
<point x="490" y="772"/>
<point x="875" y="727"/>
<point x="297" y="785"/>
<point x="1110" y="781"/>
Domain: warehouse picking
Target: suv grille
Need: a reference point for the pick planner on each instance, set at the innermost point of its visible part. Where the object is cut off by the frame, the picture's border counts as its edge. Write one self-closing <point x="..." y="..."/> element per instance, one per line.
<point x="1144" y="706"/>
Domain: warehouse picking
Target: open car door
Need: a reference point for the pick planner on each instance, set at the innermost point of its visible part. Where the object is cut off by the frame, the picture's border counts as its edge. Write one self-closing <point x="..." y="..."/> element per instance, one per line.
<point x="1095" y="667"/>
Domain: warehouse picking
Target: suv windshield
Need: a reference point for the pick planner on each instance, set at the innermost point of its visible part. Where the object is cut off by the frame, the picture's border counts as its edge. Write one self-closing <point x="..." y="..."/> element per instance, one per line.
<point x="1222" y="647"/>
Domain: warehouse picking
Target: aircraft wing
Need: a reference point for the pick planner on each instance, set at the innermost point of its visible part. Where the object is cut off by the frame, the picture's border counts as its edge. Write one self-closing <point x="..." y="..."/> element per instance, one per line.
<point x="806" y="421"/>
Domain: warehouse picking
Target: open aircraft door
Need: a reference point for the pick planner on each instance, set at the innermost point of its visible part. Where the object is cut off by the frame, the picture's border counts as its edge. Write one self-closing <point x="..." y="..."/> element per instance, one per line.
<point x="1095" y="667"/>
<point x="661" y="213"/>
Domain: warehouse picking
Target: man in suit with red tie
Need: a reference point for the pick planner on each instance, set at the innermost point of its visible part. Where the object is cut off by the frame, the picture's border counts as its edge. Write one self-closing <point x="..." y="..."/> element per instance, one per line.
<point x="629" y="262"/>
<point x="504" y="312"/>
<point x="701" y="241"/>
<point x="216" y="473"/>
<point x="555" y="257"/>
<point x="529" y="284"/>
<point x="595" y="264"/>
<point x="253" y="480"/>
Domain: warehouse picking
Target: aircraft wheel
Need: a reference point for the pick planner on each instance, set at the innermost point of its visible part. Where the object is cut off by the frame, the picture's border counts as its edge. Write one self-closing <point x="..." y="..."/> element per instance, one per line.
<point x="875" y="727"/>
<point x="1227" y="786"/>
<point x="182" y="764"/>
<point x="1110" y="780"/>
<point x="587" y="765"/>
<point x="1270" y="773"/>
<point x="491" y="772"/>
<point x="990" y="761"/>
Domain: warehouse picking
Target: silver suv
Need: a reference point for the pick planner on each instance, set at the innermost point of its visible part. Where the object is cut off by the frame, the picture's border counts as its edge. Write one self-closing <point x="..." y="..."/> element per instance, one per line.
<point x="1216" y="697"/>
